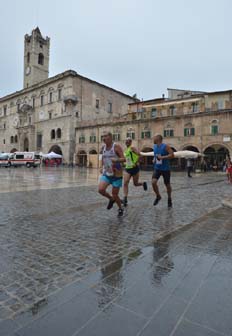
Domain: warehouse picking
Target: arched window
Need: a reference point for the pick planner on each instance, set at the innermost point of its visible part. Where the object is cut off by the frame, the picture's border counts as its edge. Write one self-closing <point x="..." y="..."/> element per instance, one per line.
<point x="16" y="139"/>
<point x="93" y="151"/>
<point x="58" y="133"/>
<point x="53" y="134"/>
<point x="50" y="95"/>
<point x="130" y="133"/>
<point x="116" y="136"/>
<point x="92" y="138"/>
<point x="189" y="130"/>
<point x="28" y="57"/>
<point x="41" y="59"/>
<point x="146" y="134"/>
<point x="214" y="127"/>
<point x="172" y="110"/>
<point x="11" y="139"/>
<point x="168" y="132"/>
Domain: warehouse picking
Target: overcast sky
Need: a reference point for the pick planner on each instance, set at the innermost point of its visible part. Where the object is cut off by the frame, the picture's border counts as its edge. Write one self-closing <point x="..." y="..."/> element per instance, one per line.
<point x="134" y="46"/>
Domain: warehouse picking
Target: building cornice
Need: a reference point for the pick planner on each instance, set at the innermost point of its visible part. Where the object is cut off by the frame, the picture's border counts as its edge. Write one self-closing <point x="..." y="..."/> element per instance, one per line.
<point x="166" y="101"/>
<point x="39" y="85"/>
<point x="53" y="119"/>
<point x="143" y="121"/>
<point x="58" y="77"/>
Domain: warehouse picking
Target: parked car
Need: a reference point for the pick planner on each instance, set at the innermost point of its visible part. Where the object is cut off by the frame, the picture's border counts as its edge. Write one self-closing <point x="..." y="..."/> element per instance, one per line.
<point x="4" y="160"/>
<point x="28" y="159"/>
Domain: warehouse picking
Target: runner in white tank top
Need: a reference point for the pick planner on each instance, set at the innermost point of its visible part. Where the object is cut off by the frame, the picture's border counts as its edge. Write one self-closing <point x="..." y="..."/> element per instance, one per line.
<point x="112" y="157"/>
<point x="110" y="168"/>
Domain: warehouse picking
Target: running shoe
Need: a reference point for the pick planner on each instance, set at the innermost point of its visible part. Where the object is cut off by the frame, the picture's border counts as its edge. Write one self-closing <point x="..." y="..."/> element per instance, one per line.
<point x="125" y="202"/>
<point x="145" y="186"/>
<point x="169" y="203"/>
<point x="156" y="201"/>
<point x="110" y="204"/>
<point x="120" y="212"/>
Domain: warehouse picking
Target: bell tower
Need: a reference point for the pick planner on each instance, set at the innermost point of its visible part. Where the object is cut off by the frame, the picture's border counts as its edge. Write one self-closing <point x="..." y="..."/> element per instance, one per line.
<point x="36" y="58"/>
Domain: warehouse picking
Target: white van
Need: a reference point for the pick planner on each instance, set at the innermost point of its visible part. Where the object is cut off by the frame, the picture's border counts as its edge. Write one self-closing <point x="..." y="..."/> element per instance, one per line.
<point x="28" y="159"/>
<point x="4" y="160"/>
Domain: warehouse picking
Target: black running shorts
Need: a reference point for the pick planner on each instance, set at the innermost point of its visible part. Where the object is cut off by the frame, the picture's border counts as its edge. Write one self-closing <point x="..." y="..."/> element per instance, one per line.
<point x="165" y="173"/>
<point x="133" y="171"/>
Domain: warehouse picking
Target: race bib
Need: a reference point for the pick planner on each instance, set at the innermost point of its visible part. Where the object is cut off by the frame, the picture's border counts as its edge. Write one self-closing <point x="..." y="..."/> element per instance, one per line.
<point x="159" y="162"/>
<point x="129" y="162"/>
<point x="108" y="167"/>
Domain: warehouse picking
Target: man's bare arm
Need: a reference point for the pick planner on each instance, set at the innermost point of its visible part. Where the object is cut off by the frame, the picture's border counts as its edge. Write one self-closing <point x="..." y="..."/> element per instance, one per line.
<point x="119" y="152"/>
<point x="135" y="150"/>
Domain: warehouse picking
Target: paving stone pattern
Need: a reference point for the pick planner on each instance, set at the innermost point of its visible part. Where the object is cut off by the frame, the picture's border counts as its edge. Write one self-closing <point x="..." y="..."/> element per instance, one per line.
<point x="53" y="238"/>
<point x="172" y="287"/>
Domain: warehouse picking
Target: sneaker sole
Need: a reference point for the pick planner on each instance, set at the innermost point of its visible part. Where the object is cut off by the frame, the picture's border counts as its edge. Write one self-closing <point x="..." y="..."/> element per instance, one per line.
<point x="157" y="202"/>
<point x="109" y="208"/>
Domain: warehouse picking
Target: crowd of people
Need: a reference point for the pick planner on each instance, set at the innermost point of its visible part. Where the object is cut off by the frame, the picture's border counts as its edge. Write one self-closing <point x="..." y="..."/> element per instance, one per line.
<point x="51" y="162"/>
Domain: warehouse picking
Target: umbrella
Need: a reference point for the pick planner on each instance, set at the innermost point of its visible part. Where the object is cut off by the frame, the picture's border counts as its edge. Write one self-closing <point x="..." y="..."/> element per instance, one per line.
<point x="52" y="155"/>
<point x="179" y="154"/>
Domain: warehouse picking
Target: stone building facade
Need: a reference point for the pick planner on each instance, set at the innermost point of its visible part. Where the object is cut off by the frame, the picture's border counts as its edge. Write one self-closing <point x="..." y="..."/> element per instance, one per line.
<point x="195" y="121"/>
<point x="44" y="115"/>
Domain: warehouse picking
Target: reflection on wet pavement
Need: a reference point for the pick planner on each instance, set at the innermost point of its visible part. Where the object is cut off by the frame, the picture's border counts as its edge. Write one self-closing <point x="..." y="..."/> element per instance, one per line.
<point x="25" y="179"/>
<point x="64" y="257"/>
<point x="172" y="288"/>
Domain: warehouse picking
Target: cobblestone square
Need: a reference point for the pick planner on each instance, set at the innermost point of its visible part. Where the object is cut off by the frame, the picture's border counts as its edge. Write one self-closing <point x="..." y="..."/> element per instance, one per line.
<point x="57" y="239"/>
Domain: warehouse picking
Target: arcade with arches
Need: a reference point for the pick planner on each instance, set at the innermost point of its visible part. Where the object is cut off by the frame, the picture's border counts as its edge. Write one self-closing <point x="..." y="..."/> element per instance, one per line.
<point x="215" y="155"/>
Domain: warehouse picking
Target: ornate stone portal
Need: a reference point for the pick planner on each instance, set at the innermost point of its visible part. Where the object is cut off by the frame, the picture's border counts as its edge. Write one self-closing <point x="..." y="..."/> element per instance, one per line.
<point x="26" y="129"/>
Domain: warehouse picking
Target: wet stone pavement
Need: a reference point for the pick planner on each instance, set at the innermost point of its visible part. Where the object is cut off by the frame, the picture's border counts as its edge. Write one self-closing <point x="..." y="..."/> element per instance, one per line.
<point x="70" y="267"/>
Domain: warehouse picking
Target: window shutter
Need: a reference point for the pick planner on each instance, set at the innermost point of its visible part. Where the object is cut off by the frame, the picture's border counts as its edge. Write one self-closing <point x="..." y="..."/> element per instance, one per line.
<point x="214" y="130"/>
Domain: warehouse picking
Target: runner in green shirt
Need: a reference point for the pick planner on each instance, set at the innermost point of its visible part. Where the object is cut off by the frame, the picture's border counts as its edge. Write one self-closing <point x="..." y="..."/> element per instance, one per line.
<point x="132" y="169"/>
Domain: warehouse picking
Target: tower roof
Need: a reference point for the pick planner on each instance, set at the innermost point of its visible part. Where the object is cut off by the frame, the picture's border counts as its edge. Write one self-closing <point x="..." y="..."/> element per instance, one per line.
<point x="37" y="30"/>
<point x="36" y="34"/>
